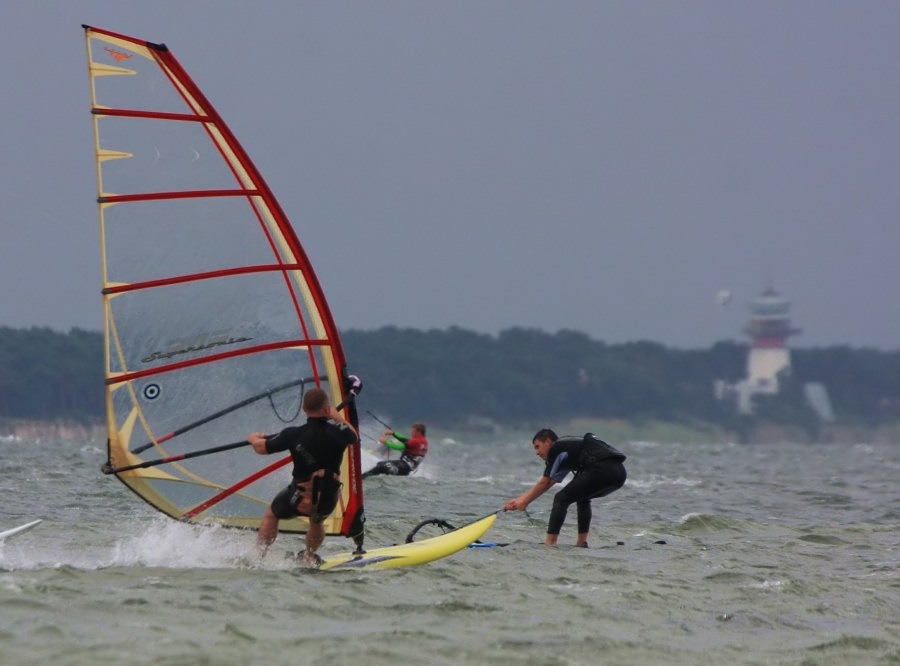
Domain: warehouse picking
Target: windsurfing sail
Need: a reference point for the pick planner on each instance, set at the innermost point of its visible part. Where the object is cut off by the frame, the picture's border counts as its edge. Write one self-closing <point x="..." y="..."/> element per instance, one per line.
<point x="215" y="323"/>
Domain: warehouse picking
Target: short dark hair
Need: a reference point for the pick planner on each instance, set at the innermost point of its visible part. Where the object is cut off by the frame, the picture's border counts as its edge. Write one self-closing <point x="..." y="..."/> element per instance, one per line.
<point x="314" y="400"/>
<point x="544" y="434"/>
<point x="419" y="426"/>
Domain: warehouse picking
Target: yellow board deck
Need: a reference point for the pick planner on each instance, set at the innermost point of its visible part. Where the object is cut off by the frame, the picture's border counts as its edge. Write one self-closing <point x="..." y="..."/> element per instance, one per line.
<point x="410" y="554"/>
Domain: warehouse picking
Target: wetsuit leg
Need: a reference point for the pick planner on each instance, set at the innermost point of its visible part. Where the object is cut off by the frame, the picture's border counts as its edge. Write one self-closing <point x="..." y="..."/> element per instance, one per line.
<point x="384" y="467"/>
<point x="392" y="467"/>
<point x="584" y="515"/>
<point x="285" y="503"/>
<point x="561" y="502"/>
<point x="591" y="483"/>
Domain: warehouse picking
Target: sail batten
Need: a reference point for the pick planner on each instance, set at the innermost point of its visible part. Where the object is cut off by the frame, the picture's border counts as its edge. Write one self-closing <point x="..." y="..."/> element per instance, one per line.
<point x="178" y="279"/>
<point x="210" y="301"/>
<point x="184" y="194"/>
<point x="156" y="115"/>
<point x="118" y="378"/>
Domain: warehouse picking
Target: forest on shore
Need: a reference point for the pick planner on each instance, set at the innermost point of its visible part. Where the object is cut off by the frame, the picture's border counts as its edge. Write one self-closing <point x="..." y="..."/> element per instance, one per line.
<point x="520" y="378"/>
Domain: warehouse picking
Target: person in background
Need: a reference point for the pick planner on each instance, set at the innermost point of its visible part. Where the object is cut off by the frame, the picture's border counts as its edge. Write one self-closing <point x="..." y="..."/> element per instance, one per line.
<point x="598" y="472"/>
<point x="413" y="450"/>
<point x="317" y="449"/>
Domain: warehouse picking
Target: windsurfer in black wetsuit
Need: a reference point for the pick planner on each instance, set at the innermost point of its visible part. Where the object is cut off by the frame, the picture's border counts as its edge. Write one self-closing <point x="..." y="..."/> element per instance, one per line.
<point x="598" y="471"/>
<point x="317" y="449"/>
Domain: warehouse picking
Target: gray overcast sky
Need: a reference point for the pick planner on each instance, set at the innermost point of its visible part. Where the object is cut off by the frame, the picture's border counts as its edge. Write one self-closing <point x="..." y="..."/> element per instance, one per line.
<point x="606" y="167"/>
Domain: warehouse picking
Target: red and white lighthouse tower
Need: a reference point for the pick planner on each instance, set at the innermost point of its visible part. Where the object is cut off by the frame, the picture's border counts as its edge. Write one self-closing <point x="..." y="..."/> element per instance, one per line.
<point x="769" y="329"/>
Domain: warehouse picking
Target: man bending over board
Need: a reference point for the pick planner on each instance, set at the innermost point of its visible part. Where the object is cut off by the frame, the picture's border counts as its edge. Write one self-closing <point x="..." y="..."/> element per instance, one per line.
<point x="598" y="471"/>
<point x="317" y="449"/>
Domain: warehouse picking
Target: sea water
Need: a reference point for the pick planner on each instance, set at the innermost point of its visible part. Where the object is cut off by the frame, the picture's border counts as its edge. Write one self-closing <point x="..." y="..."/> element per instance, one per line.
<point x="711" y="554"/>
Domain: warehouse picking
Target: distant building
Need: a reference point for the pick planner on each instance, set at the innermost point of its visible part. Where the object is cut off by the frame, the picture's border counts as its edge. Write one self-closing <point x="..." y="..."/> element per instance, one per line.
<point x="769" y="358"/>
<point x="769" y="329"/>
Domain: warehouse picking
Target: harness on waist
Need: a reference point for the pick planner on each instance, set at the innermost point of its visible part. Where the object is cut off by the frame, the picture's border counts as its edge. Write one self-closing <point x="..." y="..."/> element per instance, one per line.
<point x="317" y="494"/>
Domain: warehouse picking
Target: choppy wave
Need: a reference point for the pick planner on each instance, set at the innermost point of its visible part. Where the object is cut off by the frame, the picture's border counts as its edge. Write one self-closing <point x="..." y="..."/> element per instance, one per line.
<point x="656" y="480"/>
<point x="705" y="523"/>
<point x="708" y="555"/>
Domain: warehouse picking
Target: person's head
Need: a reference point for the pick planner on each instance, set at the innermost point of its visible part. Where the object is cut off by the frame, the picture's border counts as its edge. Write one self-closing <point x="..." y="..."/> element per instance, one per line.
<point x="419" y="428"/>
<point x="315" y="402"/>
<point x="542" y="441"/>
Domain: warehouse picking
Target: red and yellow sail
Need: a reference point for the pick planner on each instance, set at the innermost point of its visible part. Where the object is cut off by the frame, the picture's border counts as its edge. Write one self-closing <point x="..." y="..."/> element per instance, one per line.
<point x="215" y="323"/>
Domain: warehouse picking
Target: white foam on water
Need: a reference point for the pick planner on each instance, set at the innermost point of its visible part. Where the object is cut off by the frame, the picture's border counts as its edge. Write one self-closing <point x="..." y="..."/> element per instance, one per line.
<point x="168" y="543"/>
<point x="656" y="480"/>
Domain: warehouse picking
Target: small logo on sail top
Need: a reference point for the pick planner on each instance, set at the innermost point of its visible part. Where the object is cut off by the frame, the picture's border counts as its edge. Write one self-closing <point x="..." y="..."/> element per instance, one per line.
<point x="118" y="55"/>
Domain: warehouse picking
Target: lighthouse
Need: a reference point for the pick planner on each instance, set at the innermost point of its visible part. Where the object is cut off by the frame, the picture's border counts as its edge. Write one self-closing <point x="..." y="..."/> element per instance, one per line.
<point x="769" y="328"/>
<point x="768" y="359"/>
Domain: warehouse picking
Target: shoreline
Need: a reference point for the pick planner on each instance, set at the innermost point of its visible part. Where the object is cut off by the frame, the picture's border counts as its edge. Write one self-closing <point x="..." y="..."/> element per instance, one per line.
<point x="15" y="430"/>
<point x="621" y="431"/>
<point x="611" y="430"/>
<point x="701" y="433"/>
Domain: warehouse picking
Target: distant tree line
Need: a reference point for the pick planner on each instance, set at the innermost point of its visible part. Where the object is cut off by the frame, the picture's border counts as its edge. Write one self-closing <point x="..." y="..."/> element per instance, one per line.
<point x="520" y="377"/>
<point x="525" y="376"/>
<point x="45" y="375"/>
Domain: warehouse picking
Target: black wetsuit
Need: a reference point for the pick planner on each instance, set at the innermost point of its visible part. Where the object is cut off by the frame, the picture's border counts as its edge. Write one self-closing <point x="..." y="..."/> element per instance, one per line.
<point x="598" y="471"/>
<point x="317" y="448"/>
